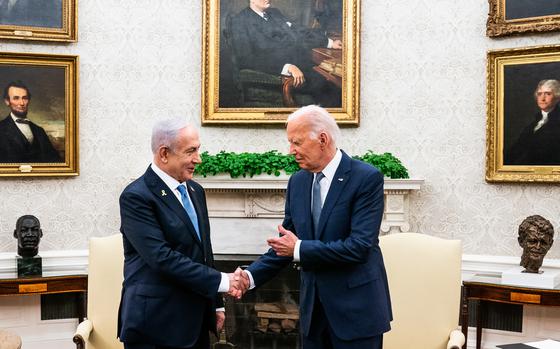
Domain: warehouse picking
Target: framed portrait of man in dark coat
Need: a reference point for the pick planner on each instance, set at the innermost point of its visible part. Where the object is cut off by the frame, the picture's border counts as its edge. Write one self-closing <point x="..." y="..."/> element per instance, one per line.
<point x="264" y="58"/>
<point x="38" y="124"/>
<point x="523" y="125"/>
<point x="45" y="20"/>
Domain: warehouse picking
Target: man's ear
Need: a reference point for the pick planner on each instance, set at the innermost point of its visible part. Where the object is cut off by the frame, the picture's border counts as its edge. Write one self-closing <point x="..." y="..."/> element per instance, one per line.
<point x="40" y="233"/>
<point x="7" y="101"/>
<point x="15" y="233"/>
<point x="163" y="154"/>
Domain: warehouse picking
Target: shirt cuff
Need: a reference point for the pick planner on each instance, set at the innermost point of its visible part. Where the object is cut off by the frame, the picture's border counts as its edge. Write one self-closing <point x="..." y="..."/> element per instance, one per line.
<point x="252" y="281"/>
<point x="221" y="309"/>
<point x="224" y="284"/>
<point x="285" y="69"/>
<point x="330" y="44"/>
<point x="296" y="251"/>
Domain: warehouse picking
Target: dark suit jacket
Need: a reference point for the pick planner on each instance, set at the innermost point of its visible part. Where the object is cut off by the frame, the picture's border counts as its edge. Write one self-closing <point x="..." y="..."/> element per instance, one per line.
<point x="14" y="147"/>
<point x="267" y="45"/>
<point x="170" y="288"/>
<point x="344" y="266"/>
<point x="541" y="147"/>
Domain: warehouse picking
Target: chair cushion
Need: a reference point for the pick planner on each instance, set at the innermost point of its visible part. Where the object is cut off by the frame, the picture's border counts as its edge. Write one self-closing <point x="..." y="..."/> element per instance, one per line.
<point x="9" y="340"/>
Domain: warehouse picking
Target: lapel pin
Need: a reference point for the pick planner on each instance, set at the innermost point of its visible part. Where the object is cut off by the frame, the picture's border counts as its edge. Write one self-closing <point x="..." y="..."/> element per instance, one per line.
<point x="163" y="193"/>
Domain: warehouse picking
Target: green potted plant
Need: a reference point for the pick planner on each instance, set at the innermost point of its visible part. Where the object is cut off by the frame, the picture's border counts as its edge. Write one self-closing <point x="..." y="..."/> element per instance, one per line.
<point x="273" y="163"/>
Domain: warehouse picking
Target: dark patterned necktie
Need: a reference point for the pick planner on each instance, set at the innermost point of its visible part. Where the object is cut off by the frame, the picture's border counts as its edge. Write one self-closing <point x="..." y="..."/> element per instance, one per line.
<point x="316" y="207"/>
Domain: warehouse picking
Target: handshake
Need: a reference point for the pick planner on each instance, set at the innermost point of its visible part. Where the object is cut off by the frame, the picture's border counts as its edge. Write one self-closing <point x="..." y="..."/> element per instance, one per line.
<point x="239" y="283"/>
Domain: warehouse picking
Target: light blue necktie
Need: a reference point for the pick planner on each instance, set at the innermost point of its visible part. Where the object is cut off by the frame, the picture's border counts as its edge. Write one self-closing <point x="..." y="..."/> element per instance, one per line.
<point x="189" y="208"/>
<point x="316" y="207"/>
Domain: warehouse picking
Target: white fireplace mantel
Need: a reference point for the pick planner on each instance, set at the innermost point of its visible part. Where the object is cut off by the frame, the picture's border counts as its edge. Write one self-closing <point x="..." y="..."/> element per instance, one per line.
<point x="263" y="197"/>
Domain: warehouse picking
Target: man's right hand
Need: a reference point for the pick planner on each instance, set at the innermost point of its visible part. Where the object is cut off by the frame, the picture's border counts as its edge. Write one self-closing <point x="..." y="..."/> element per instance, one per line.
<point x="238" y="283"/>
<point x="297" y="74"/>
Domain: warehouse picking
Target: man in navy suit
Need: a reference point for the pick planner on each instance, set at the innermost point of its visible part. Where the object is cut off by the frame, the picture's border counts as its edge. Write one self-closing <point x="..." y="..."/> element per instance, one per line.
<point x="21" y="140"/>
<point x="539" y="142"/>
<point x="170" y="291"/>
<point x="333" y="212"/>
<point x="265" y="40"/>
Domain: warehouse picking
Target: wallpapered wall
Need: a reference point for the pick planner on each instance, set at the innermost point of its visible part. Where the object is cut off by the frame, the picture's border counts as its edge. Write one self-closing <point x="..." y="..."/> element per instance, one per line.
<point x="422" y="98"/>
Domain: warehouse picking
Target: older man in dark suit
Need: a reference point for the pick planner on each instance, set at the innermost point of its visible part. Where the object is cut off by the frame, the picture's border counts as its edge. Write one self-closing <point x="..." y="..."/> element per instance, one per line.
<point x="21" y="140"/>
<point x="265" y="40"/>
<point x="334" y="206"/>
<point x="170" y="290"/>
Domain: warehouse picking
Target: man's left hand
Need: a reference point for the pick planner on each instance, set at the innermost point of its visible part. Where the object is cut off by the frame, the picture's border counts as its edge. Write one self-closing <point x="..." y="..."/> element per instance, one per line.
<point x="337" y="44"/>
<point x="220" y="320"/>
<point x="285" y="244"/>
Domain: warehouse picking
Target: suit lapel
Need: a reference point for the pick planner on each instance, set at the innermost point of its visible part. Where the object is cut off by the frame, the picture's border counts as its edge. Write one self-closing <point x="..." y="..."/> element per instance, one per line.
<point x="18" y="136"/>
<point x="194" y="195"/>
<point x="166" y="195"/>
<point x="338" y="183"/>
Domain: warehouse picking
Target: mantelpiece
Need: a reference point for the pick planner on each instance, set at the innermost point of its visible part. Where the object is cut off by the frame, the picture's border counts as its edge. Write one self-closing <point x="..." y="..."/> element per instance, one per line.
<point x="256" y="206"/>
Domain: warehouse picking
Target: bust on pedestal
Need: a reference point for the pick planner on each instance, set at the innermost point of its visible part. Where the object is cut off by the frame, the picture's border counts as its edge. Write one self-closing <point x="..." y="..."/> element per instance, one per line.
<point x="28" y="233"/>
<point x="535" y="237"/>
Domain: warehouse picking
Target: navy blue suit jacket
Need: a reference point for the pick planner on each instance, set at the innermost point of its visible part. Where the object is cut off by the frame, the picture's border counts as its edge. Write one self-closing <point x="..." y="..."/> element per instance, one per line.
<point x="170" y="288"/>
<point x="344" y="265"/>
<point x="15" y="148"/>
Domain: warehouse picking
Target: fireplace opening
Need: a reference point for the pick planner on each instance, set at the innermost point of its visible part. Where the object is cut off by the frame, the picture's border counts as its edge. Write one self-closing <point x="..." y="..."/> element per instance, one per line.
<point x="266" y="317"/>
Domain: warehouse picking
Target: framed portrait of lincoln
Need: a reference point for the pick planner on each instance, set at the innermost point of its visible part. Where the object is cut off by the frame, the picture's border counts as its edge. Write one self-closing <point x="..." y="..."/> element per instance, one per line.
<point x="39" y="120"/>
<point x="263" y="59"/>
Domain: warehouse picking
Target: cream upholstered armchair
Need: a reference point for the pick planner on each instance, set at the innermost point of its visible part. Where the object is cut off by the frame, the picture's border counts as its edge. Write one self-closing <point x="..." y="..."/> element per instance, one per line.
<point x="425" y="284"/>
<point x="105" y="279"/>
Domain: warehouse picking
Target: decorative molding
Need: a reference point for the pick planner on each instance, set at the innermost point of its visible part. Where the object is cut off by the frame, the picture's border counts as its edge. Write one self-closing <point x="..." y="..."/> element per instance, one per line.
<point x="263" y="197"/>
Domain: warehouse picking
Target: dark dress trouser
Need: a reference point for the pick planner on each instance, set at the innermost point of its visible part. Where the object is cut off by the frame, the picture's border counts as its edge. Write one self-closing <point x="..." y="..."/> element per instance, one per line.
<point x="321" y="335"/>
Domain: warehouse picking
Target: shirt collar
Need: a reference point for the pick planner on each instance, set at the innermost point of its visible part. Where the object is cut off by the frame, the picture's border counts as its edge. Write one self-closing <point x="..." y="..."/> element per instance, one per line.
<point x="171" y="182"/>
<point x="258" y="12"/>
<point x="332" y="166"/>
<point x="15" y="117"/>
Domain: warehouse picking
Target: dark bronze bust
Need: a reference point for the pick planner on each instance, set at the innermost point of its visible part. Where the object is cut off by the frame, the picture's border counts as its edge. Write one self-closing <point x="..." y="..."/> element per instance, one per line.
<point x="535" y="237"/>
<point x="28" y="232"/>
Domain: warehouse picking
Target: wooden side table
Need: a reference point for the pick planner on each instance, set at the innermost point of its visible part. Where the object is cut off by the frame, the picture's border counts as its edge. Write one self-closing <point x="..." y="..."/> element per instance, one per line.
<point x="48" y="285"/>
<point x="485" y="288"/>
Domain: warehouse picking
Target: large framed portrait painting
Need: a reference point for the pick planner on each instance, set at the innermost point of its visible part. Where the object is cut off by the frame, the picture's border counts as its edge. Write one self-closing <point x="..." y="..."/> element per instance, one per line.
<point x="523" y="124"/>
<point x="45" y="20"/>
<point x="262" y="59"/>
<point x="507" y="17"/>
<point x="39" y="120"/>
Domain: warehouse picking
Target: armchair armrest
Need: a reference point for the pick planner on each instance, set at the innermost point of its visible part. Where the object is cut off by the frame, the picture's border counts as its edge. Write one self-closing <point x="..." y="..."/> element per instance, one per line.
<point x="82" y="334"/>
<point x="456" y="340"/>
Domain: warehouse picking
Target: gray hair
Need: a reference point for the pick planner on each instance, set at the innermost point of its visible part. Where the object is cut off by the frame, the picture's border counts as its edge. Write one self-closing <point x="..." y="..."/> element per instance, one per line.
<point x="319" y="120"/>
<point x="164" y="133"/>
<point x="552" y="84"/>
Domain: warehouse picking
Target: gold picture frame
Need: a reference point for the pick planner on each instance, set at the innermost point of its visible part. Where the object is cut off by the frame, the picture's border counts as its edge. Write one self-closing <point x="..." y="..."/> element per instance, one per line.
<point x="507" y="17"/>
<point x="226" y="100"/>
<point x="45" y="20"/>
<point x="49" y="144"/>
<point x="518" y="149"/>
